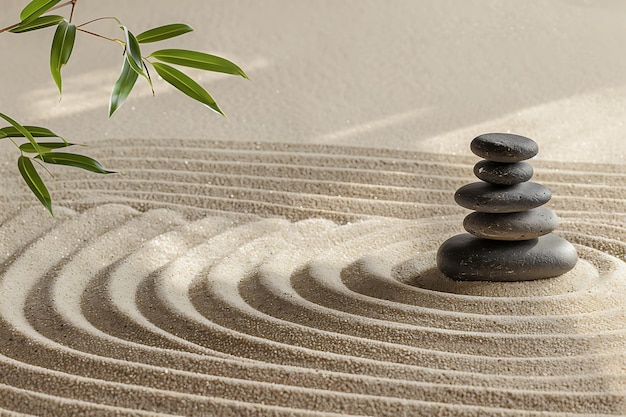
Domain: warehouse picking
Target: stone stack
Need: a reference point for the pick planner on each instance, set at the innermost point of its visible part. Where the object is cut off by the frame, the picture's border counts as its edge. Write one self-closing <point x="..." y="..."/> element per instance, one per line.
<point x="509" y="235"/>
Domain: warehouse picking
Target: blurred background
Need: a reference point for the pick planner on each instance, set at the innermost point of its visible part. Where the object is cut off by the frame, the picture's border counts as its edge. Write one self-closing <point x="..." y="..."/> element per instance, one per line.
<point x="408" y="74"/>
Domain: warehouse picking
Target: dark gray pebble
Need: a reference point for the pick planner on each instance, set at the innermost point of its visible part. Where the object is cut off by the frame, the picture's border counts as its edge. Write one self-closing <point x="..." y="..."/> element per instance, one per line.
<point x="503" y="173"/>
<point x="490" y="198"/>
<point x="469" y="258"/>
<point x="522" y="225"/>
<point x="504" y="147"/>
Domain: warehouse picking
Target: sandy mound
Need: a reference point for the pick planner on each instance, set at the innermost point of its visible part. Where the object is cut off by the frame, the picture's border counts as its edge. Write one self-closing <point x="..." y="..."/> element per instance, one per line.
<point x="273" y="279"/>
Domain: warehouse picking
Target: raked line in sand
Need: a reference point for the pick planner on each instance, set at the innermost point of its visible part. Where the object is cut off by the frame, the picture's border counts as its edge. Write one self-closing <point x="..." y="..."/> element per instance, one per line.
<point x="217" y="278"/>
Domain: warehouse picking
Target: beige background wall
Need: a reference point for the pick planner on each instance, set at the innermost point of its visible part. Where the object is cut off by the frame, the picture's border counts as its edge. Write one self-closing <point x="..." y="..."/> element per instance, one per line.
<point x="408" y="74"/>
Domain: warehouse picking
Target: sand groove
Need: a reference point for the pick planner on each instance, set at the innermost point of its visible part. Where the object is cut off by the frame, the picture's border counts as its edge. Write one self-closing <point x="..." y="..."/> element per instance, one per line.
<point x="279" y="279"/>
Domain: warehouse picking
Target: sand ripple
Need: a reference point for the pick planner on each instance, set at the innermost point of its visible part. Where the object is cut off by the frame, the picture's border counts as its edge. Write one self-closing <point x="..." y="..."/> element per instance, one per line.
<point x="248" y="279"/>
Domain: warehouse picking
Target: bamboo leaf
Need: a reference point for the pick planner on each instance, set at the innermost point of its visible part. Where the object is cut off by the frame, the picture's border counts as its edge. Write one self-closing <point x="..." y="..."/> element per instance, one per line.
<point x="62" y="45"/>
<point x="163" y="32"/>
<point x="24" y="132"/>
<point x="39" y="23"/>
<point x="44" y="146"/>
<point x="133" y="51"/>
<point x="35" y="131"/>
<point x="198" y="60"/>
<point x="133" y="55"/>
<point x="122" y="88"/>
<point x="73" y="160"/>
<point x="185" y="84"/>
<point x="34" y="182"/>
<point x="36" y="8"/>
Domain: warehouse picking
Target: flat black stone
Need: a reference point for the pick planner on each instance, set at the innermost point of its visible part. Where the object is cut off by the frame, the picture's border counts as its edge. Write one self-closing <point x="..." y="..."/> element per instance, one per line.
<point x="522" y="225"/>
<point x="490" y="198"/>
<point x="469" y="258"/>
<point x="504" y="147"/>
<point x="503" y="173"/>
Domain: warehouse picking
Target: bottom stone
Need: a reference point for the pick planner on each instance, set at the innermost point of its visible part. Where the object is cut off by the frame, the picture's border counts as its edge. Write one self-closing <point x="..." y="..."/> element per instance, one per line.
<point x="469" y="258"/>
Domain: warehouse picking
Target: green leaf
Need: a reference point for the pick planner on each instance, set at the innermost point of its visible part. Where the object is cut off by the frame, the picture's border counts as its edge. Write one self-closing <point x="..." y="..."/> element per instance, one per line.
<point x="35" y="131"/>
<point x="198" y="60"/>
<point x="44" y="146"/>
<point x="34" y="182"/>
<point x="73" y="160"/>
<point x="39" y="23"/>
<point x="36" y="8"/>
<point x="133" y="55"/>
<point x="122" y="88"/>
<point x="163" y="32"/>
<point x="24" y="132"/>
<point x="185" y="84"/>
<point x="62" y="45"/>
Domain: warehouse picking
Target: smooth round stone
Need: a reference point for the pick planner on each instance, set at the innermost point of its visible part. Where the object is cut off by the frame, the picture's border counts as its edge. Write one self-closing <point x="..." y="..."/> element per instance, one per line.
<point x="503" y="173"/>
<point x="522" y="225"/>
<point x="469" y="258"/>
<point x="504" y="147"/>
<point x="491" y="198"/>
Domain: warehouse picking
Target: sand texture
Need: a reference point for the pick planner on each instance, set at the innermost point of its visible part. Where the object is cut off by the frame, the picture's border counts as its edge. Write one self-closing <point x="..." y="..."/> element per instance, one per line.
<point x="281" y="262"/>
<point x="276" y="279"/>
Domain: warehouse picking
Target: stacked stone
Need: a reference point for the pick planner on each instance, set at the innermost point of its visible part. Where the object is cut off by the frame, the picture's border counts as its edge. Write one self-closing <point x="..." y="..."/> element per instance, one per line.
<point x="509" y="235"/>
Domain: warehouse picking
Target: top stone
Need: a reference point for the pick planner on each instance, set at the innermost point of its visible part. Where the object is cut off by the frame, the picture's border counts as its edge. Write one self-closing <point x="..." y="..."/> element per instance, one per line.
<point x="504" y="147"/>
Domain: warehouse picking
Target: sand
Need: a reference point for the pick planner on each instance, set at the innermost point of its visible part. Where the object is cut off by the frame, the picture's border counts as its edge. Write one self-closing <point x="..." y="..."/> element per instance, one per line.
<point x="284" y="279"/>
<point x="276" y="265"/>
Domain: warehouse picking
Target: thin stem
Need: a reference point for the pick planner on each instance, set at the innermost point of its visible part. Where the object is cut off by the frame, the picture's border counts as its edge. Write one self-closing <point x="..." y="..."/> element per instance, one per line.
<point x="9" y="27"/>
<point x="100" y="36"/>
<point x="72" y="11"/>
<point x="15" y="143"/>
<point x="58" y="6"/>
<point x="41" y="164"/>
<point x="80" y="28"/>
<point x="98" y="19"/>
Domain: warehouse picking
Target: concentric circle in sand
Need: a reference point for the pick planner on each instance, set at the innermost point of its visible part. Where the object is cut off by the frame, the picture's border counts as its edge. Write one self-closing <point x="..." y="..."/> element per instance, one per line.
<point x="248" y="279"/>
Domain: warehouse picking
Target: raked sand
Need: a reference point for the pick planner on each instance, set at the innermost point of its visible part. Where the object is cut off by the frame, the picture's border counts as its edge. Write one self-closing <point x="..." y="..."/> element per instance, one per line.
<point x="284" y="279"/>
<point x="282" y="262"/>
